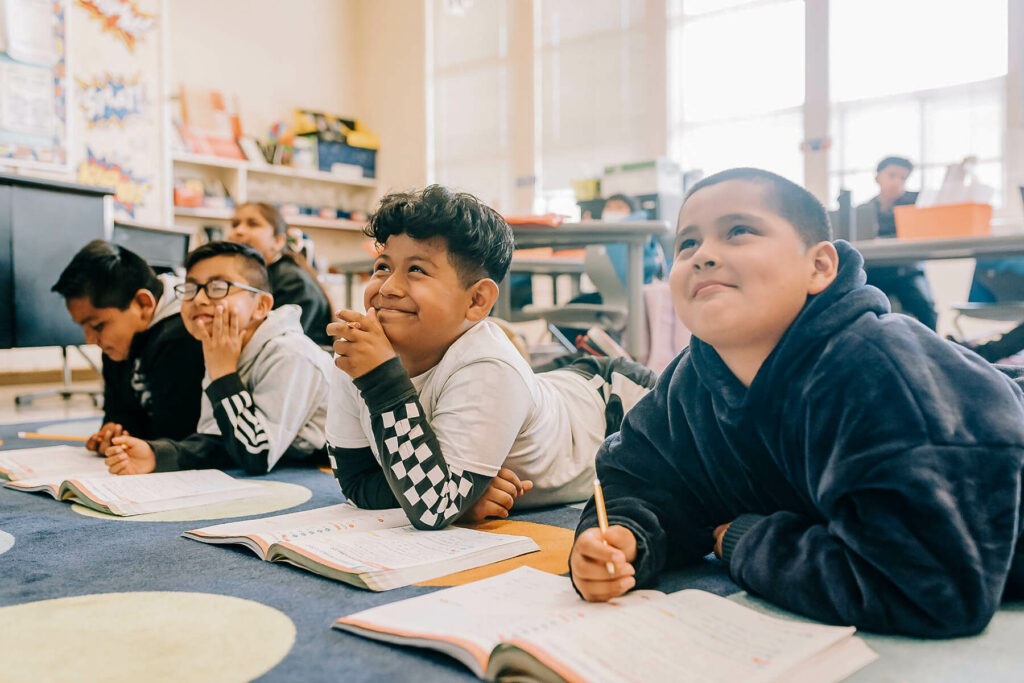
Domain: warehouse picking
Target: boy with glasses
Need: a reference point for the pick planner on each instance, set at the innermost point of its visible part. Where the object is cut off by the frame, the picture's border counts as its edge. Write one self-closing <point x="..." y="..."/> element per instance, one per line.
<point x="265" y="393"/>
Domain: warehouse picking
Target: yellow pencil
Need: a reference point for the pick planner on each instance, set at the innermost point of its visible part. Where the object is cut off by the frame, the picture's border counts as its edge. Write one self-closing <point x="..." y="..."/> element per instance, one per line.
<point x="51" y="437"/>
<point x="602" y="519"/>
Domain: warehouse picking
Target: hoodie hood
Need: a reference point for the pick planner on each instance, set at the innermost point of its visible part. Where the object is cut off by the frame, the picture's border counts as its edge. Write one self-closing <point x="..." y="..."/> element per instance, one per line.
<point x="280" y="322"/>
<point x="823" y="315"/>
<point x="168" y="304"/>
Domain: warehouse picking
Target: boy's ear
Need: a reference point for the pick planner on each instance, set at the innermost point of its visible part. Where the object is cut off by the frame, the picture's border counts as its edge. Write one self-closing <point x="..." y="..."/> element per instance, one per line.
<point x="145" y="300"/>
<point x="483" y="294"/>
<point x="264" y="302"/>
<point x="825" y="266"/>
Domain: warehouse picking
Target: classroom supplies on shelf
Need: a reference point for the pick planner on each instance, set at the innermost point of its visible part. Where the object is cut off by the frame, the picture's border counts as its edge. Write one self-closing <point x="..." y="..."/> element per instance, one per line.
<point x="531" y="625"/>
<point x="374" y="549"/>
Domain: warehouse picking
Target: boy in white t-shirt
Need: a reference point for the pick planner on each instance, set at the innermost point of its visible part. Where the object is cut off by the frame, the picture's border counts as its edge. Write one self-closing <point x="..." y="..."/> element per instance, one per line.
<point x="436" y="411"/>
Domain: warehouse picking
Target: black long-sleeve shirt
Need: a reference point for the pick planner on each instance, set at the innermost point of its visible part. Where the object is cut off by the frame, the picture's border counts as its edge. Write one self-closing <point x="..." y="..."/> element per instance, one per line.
<point x="156" y="392"/>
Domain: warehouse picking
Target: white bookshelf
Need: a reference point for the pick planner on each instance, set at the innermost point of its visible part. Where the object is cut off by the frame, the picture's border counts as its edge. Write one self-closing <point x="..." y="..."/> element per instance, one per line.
<point x="246" y="181"/>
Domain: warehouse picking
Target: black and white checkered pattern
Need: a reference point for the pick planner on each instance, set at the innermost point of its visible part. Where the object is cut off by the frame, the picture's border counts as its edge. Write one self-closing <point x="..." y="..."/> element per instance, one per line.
<point x="433" y="489"/>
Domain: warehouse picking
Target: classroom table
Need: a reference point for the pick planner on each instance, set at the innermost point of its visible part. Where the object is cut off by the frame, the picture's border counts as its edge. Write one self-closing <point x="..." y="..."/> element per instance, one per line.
<point x="48" y="551"/>
<point x="553" y="267"/>
<point x="892" y="252"/>
<point x="633" y="234"/>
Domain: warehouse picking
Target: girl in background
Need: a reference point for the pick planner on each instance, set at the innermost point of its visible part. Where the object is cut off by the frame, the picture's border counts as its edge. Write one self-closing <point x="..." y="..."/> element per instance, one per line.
<point x="292" y="280"/>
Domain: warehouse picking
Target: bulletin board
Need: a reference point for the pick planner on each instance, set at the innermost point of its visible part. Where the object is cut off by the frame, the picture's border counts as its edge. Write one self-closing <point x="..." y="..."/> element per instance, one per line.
<point x="33" y="83"/>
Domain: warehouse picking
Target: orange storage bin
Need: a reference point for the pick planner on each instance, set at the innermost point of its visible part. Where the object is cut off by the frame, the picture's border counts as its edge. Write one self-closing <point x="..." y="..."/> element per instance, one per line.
<point x="949" y="220"/>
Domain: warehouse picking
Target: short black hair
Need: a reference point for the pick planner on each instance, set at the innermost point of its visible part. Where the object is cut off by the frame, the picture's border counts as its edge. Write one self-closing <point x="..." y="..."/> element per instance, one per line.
<point x="902" y="162"/>
<point x="254" y="268"/>
<point x="631" y="202"/>
<point x="798" y="206"/>
<point x="108" y="275"/>
<point x="480" y="242"/>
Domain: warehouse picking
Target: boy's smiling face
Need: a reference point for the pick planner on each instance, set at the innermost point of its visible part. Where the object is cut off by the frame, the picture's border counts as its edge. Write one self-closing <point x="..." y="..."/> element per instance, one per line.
<point x="248" y="306"/>
<point x="419" y="297"/>
<point x="741" y="272"/>
<point x="111" y="328"/>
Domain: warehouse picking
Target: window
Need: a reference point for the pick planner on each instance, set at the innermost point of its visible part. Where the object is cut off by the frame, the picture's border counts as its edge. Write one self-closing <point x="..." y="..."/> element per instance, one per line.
<point x="471" y="90"/>
<point x="736" y="84"/>
<point x="931" y="91"/>
<point x="591" y="63"/>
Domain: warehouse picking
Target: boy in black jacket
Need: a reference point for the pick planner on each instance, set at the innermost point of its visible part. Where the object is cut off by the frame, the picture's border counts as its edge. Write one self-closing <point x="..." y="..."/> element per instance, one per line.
<point x="152" y="367"/>
<point x="844" y="462"/>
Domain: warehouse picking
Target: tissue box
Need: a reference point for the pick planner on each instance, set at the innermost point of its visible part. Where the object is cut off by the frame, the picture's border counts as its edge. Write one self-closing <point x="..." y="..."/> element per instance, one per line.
<point x="949" y="220"/>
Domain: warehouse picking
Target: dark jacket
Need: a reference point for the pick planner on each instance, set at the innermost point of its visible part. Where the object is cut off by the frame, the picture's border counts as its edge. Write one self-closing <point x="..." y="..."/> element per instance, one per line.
<point x="156" y="392"/>
<point x="872" y="223"/>
<point x="291" y="284"/>
<point x="871" y="471"/>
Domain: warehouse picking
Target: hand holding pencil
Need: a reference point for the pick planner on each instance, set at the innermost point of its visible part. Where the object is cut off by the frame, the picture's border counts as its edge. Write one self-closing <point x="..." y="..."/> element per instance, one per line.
<point x="601" y="558"/>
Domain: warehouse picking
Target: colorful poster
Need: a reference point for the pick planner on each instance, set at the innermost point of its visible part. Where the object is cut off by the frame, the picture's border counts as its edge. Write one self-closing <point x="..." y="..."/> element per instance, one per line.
<point x="123" y="18"/>
<point x="111" y="99"/>
<point x="33" y="83"/>
<point x="129" y="189"/>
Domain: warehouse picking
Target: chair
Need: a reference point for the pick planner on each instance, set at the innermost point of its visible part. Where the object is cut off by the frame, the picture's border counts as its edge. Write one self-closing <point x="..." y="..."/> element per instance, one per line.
<point x="997" y="293"/>
<point x="610" y="314"/>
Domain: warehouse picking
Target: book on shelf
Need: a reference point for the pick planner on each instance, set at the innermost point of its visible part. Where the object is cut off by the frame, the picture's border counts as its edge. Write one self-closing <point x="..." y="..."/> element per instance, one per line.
<point x="76" y="475"/>
<point x="530" y="625"/>
<point x="374" y="549"/>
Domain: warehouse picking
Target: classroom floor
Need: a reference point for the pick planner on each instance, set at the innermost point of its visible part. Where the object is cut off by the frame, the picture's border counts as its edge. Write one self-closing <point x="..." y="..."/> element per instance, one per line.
<point x="100" y="598"/>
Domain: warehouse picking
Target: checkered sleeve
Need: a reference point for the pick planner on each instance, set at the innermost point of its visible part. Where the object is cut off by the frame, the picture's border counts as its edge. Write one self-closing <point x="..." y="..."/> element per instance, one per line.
<point x="432" y="492"/>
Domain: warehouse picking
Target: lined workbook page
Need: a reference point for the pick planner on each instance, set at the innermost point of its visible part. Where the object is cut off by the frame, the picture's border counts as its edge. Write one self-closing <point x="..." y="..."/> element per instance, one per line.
<point x="298" y="526"/>
<point x="689" y="636"/>
<point x="398" y="548"/>
<point x="135" y="490"/>
<point x="488" y="611"/>
<point x="32" y="463"/>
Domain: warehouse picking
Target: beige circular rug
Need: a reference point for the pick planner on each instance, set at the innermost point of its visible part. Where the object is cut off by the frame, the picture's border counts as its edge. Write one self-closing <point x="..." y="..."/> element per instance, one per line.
<point x="6" y="541"/>
<point x="281" y="496"/>
<point x="152" y="636"/>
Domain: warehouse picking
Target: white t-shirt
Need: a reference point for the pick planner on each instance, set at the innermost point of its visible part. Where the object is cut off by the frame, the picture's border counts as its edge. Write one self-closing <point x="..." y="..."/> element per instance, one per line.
<point x="488" y="409"/>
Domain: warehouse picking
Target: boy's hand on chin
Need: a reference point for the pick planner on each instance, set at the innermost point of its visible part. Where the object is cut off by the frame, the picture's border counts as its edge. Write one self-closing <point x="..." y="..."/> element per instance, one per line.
<point x="591" y="556"/>
<point x="222" y="342"/>
<point x="129" y="455"/>
<point x="360" y="342"/>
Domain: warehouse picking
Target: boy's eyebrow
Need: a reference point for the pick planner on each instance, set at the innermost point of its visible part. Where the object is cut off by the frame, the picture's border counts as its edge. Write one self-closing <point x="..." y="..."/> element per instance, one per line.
<point x="746" y="217"/>
<point x="193" y="280"/>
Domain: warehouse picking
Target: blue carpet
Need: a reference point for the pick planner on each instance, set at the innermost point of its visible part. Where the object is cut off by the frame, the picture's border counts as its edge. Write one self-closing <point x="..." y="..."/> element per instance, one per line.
<point x="59" y="553"/>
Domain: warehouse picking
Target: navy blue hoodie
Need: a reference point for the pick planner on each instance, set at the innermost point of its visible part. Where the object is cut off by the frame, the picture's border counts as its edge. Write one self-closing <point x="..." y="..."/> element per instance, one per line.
<point x="871" y="471"/>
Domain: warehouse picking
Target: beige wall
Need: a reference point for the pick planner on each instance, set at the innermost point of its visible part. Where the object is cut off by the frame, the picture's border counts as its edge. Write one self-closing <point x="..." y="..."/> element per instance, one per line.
<point x="274" y="55"/>
<point x="392" y="85"/>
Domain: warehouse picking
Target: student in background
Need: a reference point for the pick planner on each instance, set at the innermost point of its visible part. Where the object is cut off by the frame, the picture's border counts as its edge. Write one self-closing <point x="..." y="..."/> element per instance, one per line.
<point x="907" y="284"/>
<point x="265" y="392"/>
<point x="433" y="409"/>
<point x="621" y="208"/>
<point x="152" y="367"/>
<point x="845" y="463"/>
<point x="292" y="280"/>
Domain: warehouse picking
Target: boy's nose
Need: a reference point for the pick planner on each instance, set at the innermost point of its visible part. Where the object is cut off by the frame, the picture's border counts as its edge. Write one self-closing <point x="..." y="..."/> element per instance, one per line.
<point x="392" y="286"/>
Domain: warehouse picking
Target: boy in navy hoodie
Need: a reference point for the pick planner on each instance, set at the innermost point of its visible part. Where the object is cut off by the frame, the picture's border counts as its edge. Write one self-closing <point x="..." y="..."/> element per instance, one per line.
<point x="844" y="462"/>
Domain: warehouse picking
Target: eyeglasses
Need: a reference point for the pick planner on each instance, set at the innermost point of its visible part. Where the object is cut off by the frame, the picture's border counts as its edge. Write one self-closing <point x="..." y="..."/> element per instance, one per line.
<point x="215" y="289"/>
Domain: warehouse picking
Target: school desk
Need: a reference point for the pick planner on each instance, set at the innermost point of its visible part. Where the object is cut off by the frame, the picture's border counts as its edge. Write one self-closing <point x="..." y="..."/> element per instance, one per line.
<point x="894" y="252"/>
<point x="196" y="611"/>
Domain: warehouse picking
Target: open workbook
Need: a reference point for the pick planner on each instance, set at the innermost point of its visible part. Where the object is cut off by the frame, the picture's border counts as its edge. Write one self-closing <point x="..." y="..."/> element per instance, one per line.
<point x="32" y="463"/>
<point x="528" y="624"/>
<point x="79" y="476"/>
<point x="375" y="549"/>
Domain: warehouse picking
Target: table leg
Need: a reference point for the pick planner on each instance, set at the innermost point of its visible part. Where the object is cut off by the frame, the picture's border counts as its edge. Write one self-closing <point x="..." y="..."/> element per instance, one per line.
<point x="350" y="281"/>
<point x="503" y="308"/>
<point x="635" y="294"/>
